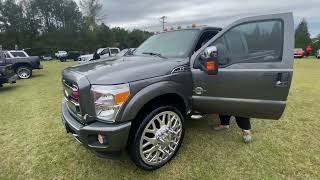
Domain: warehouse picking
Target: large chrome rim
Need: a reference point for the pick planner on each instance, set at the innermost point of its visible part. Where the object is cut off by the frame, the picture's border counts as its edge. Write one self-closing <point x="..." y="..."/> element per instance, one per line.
<point x="160" y="138"/>
<point x="24" y="73"/>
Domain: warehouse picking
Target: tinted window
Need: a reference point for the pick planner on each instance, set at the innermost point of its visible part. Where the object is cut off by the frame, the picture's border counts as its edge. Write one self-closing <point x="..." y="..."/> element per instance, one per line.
<point x="252" y="42"/>
<point x="105" y="51"/>
<point x="169" y="44"/>
<point x="114" y="51"/>
<point x="18" y="54"/>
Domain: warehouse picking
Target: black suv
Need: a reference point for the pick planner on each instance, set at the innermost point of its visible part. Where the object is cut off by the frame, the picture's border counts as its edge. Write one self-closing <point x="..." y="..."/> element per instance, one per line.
<point x="139" y="102"/>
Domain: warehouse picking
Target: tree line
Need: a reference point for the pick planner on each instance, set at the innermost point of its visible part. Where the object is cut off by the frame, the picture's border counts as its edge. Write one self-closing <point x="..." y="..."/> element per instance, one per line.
<point x="46" y="26"/>
<point x="303" y="38"/>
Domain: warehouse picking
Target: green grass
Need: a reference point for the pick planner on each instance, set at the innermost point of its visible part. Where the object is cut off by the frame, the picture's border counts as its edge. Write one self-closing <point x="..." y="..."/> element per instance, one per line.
<point x="34" y="145"/>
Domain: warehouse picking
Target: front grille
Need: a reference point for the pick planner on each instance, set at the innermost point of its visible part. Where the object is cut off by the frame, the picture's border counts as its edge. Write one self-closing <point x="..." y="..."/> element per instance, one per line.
<point x="73" y="102"/>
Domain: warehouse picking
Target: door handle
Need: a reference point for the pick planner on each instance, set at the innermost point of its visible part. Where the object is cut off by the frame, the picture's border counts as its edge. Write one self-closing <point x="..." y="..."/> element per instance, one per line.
<point x="280" y="84"/>
<point x="282" y="79"/>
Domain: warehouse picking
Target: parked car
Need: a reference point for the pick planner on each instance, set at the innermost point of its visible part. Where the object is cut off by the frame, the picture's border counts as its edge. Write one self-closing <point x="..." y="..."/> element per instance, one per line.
<point x="22" y="63"/>
<point x="74" y="55"/>
<point x="100" y="54"/>
<point x="7" y="74"/>
<point x="46" y="57"/>
<point x="139" y="102"/>
<point x="61" y="55"/>
<point x="126" y="52"/>
<point x="318" y="54"/>
<point x="299" y="53"/>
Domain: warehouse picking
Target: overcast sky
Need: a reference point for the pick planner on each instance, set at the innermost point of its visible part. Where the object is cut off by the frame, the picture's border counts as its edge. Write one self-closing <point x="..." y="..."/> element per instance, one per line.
<point x="145" y="14"/>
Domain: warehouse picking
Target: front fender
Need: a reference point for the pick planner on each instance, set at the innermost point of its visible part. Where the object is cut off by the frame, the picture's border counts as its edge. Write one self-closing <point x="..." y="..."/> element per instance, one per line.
<point x="150" y="92"/>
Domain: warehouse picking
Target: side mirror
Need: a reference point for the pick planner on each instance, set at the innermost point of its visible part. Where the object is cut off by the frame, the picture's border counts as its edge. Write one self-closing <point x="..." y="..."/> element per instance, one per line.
<point x="209" y="60"/>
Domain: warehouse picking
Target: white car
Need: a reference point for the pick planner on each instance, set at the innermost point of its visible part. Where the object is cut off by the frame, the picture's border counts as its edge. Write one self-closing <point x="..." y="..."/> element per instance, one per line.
<point x="101" y="53"/>
<point x="62" y="55"/>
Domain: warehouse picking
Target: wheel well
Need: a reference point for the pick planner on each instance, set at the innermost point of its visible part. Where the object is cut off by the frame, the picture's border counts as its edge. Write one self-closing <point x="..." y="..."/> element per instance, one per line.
<point x="16" y="66"/>
<point x="166" y="99"/>
<point x="162" y="100"/>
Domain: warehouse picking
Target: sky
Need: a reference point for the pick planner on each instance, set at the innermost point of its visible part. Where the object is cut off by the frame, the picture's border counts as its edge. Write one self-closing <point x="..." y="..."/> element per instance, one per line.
<point x="145" y="14"/>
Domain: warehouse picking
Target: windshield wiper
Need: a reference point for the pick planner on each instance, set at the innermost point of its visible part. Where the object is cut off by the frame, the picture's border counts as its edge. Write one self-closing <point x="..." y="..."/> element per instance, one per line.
<point x="154" y="54"/>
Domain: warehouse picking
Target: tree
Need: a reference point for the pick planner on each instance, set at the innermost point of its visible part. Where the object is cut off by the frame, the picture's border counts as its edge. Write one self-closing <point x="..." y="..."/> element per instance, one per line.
<point x="92" y="10"/>
<point x="302" y="35"/>
<point x="46" y="26"/>
<point x="13" y="22"/>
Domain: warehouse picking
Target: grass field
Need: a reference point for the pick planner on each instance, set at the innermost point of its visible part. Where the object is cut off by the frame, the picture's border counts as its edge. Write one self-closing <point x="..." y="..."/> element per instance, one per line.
<point x="34" y="145"/>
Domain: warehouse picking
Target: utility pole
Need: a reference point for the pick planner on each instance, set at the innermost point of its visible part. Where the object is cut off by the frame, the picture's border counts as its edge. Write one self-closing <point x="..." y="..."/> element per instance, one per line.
<point x="163" y="20"/>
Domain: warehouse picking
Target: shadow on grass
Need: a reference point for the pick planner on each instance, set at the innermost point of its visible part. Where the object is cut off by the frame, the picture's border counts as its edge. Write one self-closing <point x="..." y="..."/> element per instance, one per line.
<point x="36" y="75"/>
<point x="9" y="87"/>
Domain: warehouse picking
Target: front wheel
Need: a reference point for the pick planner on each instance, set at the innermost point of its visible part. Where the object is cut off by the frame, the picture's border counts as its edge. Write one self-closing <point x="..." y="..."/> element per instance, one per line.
<point x="158" y="138"/>
<point x="24" y="72"/>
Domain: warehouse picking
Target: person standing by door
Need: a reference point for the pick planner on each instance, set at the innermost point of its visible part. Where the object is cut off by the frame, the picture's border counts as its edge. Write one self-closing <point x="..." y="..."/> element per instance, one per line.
<point x="242" y="122"/>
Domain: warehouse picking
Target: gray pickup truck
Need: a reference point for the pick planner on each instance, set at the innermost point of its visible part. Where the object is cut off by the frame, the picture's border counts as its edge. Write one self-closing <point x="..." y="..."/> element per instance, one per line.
<point x="7" y="74"/>
<point x="138" y="103"/>
<point x="22" y="63"/>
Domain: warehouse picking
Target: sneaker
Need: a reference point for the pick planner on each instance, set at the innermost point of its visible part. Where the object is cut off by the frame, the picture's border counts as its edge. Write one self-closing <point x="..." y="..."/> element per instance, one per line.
<point x="221" y="127"/>
<point x="247" y="136"/>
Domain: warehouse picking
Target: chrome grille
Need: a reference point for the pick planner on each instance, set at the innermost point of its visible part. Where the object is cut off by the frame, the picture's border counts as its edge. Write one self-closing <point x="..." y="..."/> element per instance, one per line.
<point x="73" y="102"/>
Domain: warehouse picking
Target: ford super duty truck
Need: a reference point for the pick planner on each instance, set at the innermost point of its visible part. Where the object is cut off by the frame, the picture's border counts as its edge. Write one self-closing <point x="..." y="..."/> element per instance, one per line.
<point x="138" y="103"/>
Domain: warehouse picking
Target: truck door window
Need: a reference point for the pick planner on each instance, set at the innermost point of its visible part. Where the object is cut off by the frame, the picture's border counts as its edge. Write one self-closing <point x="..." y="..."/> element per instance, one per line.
<point x="255" y="42"/>
<point x="114" y="51"/>
<point x="105" y="51"/>
<point x="205" y="37"/>
<point x="18" y="54"/>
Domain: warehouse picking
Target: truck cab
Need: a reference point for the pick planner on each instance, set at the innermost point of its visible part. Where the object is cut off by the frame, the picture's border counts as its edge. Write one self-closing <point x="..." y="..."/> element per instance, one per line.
<point x="139" y="102"/>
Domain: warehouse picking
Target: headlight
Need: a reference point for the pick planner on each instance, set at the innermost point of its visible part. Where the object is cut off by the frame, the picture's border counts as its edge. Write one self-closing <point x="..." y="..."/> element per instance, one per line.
<point x="108" y="100"/>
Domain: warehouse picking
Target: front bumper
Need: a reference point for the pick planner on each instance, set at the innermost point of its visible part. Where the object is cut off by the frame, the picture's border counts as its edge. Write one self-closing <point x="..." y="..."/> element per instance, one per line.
<point x="116" y="134"/>
<point x="12" y="79"/>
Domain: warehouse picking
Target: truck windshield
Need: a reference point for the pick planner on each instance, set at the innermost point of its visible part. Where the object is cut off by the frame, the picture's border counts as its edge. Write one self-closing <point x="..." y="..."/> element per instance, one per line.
<point x="175" y="44"/>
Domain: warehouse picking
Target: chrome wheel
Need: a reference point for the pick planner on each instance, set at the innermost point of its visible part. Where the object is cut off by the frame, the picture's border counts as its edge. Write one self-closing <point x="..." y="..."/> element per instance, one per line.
<point x="160" y="138"/>
<point x="24" y="73"/>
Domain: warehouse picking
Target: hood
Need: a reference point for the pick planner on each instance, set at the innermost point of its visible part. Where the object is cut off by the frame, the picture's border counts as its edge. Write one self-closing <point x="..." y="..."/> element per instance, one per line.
<point x="119" y="70"/>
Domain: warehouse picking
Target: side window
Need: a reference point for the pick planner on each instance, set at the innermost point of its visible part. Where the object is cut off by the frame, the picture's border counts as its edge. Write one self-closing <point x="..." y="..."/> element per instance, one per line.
<point x="18" y="54"/>
<point x="104" y="52"/>
<point x="114" y="51"/>
<point x="255" y="42"/>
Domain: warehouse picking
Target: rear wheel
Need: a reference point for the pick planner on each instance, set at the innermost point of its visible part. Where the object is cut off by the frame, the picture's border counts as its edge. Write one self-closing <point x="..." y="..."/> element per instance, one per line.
<point x="158" y="138"/>
<point x="24" y="72"/>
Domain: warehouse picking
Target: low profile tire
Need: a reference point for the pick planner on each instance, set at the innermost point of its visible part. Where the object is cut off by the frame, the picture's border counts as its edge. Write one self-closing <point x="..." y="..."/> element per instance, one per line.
<point x="158" y="138"/>
<point x="24" y="72"/>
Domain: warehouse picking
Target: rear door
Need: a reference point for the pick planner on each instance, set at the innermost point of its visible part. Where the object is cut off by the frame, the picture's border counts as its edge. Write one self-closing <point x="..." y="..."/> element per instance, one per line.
<point x="255" y="69"/>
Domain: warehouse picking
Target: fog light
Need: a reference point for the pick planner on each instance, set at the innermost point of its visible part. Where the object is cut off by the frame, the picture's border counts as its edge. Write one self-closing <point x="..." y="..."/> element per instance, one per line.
<point x="102" y="139"/>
